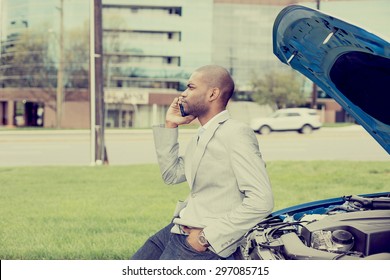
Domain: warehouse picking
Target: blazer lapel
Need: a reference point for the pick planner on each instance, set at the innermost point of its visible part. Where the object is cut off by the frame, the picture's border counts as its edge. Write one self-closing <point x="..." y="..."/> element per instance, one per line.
<point x="189" y="155"/>
<point x="202" y="144"/>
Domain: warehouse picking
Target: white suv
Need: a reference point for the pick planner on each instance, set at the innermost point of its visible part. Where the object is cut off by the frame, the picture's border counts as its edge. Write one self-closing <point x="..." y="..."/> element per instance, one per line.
<point x="303" y="120"/>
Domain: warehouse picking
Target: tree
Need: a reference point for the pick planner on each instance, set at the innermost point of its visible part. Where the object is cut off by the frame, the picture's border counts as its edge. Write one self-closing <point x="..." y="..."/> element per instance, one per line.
<point x="27" y="62"/>
<point x="112" y="42"/>
<point x="282" y="89"/>
<point x="77" y="57"/>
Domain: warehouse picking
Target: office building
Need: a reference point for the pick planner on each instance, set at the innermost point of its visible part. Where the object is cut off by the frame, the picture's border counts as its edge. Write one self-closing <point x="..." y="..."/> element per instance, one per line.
<point x="150" y="47"/>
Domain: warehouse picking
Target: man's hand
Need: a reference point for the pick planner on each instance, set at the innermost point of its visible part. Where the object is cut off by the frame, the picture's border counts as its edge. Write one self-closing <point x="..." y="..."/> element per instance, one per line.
<point x="192" y="239"/>
<point x="173" y="118"/>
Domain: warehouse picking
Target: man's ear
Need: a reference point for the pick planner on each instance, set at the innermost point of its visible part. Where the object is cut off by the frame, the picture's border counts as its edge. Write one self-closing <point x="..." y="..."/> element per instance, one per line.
<point x="214" y="94"/>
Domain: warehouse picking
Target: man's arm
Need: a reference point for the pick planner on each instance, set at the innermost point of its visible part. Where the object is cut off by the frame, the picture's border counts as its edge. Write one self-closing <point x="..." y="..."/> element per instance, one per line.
<point x="167" y="146"/>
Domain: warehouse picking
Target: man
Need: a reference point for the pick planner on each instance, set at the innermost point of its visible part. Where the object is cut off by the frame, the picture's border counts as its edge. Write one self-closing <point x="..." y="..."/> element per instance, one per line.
<point x="230" y="189"/>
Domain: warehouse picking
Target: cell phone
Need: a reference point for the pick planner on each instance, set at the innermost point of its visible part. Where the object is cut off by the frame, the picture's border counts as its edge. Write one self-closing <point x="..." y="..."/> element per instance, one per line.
<point x="183" y="113"/>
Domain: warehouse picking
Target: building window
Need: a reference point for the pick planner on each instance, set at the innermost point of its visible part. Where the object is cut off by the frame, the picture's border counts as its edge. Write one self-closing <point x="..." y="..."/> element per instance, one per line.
<point x="121" y="37"/>
<point x="175" y="11"/>
<point x="142" y="10"/>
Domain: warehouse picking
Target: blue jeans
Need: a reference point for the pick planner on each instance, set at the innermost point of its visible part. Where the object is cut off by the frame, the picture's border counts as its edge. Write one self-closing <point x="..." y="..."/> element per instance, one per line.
<point x="165" y="245"/>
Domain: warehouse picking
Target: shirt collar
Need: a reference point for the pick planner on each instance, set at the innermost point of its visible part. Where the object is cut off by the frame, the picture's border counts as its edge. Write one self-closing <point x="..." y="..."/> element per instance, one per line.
<point x="206" y="125"/>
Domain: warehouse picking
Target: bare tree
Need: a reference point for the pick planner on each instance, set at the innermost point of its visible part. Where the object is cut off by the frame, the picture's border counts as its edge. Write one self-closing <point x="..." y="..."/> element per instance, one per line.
<point x="28" y="63"/>
<point x="77" y="57"/>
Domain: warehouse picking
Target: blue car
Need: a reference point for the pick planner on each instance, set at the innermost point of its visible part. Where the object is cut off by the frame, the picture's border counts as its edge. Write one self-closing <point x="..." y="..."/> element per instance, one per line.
<point x="352" y="66"/>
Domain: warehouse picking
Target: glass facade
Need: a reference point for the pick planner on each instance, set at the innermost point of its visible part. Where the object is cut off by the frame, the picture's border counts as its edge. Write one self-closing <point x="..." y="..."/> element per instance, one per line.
<point x="242" y="40"/>
<point x="151" y="46"/>
<point x="146" y="40"/>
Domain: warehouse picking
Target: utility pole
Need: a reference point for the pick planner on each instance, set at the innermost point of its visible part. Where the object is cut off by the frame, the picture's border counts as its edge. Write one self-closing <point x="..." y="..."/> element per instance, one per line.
<point x="315" y="89"/>
<point x="60" y="70"/>
<point x="97" y="86"/>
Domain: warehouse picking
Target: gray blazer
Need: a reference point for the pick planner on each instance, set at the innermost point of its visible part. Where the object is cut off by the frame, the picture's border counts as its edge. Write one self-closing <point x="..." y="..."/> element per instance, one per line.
<point x="230" y="191"/>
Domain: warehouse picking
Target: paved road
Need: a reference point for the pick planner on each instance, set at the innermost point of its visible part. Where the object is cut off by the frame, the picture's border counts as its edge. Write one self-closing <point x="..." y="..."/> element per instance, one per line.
<point x="70" y="147"/>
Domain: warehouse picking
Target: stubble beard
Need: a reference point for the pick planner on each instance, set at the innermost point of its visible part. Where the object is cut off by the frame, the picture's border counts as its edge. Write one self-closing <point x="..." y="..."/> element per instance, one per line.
<point x="196" y="110"/>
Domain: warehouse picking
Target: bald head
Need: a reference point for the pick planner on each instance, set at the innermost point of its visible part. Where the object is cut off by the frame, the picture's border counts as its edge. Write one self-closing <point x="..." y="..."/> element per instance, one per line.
<point x="217" y="76"/>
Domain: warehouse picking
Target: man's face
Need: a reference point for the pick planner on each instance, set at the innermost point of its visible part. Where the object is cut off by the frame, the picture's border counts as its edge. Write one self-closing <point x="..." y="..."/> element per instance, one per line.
<point x="194" y="98"/>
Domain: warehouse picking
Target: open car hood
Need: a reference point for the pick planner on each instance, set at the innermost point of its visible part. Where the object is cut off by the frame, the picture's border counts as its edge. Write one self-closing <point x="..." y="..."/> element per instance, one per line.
<point x="347" y="62"/>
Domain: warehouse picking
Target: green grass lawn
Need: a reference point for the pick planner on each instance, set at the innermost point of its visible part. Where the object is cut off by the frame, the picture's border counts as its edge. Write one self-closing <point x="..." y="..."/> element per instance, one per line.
<point x="107" y="212"/>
